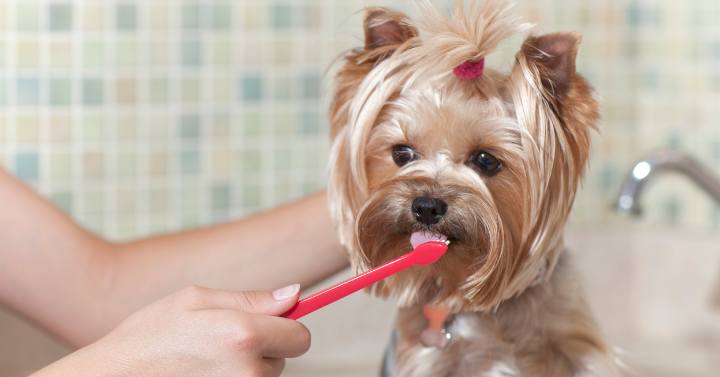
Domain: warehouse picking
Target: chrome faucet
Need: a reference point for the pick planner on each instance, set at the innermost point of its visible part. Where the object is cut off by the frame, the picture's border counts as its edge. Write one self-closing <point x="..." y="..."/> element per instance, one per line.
<point x="658" y="162"/>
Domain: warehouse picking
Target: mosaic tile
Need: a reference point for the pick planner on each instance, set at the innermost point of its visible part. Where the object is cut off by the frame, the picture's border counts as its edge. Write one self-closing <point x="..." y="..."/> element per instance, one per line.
<point x="63" y="200"/>
<point x="115" y="94"/>
<point x="60" y="166"/>
<point x="93" y="16"/>
<point x="93" y="92"/>
<point x="126" y="91"/>
<point x="282" y="16"/>
<point x="221" y="198"/>
<point x="28" y="53"/>
<point x="221" y="16"/>
<point x="251" y="87"/>
<point x="126" y="17"/>
<point x="27" y="130"/>
<point x="60" y="127"/>
<point x="28" y="91"/>
<point x="189" y="162"/>
<point x="60" y="92"/>
<point x="191" y="51"/>
<point x="60" y="16"/>
<point x="189" y="127"/>
<point x="60" y="54"/>
<point x="27" y="16"/>
<point x="27" y="166"/>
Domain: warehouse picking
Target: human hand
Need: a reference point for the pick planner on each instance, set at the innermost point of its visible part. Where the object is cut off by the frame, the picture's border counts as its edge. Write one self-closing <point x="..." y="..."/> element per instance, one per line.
<point x="197" y="332"/>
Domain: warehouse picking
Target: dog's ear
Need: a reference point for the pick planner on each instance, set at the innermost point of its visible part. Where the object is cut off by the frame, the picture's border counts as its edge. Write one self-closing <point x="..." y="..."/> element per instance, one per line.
<point x="553" y="55"/>
<point x="385" y="31"/>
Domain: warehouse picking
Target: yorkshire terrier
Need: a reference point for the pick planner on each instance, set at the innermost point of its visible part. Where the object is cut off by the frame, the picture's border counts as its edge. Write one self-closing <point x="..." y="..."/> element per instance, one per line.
<point x="428" y="144"/>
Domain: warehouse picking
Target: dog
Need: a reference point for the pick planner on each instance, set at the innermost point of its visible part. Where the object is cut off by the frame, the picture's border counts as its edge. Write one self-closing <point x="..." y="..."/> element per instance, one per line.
<point x="429" y="144"/>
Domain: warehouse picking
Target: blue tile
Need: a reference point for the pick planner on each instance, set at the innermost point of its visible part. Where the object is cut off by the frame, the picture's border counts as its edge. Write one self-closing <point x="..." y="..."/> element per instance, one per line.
<point x="63" y="200"/>
<point x="221" y="16"/>
<point x="189" y="127"/>
<point x="60" y="17"/>
<point x="126" y="17"/>
<point x="311" y="85"/>
<point x="191" y="52"/>
<point x="28" y="91"/>
<point x="282" y="16"/>
<point x="60" y="92"/>
<point x="189" y="162"/>
<point x="27" y="166"/>
<point x="251" y="88"/>
<point x="92" y="92"/>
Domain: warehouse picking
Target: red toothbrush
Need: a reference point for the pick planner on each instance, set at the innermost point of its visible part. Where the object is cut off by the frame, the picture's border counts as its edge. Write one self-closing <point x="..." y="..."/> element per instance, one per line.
<point x="426" y="253"/>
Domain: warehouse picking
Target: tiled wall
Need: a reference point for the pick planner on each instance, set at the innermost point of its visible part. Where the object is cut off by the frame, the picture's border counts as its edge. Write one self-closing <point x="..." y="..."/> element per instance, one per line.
<point x="146" y="116"/>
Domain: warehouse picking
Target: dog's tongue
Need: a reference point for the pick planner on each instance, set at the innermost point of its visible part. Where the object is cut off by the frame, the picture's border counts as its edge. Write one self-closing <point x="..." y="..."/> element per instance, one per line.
<point x="419" y="238"/>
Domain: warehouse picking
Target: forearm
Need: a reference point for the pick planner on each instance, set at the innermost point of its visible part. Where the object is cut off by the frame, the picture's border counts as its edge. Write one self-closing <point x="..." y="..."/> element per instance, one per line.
<point x="79" y="286"/>
<point x="295" y="243"/>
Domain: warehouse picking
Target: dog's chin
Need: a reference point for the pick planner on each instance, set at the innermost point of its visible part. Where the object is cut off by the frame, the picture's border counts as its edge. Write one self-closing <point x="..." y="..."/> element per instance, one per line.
<point x="443" y="283"/>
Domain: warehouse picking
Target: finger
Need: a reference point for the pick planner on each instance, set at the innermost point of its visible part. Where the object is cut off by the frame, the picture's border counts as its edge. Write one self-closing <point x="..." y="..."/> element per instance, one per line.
<point x="258" y="302"/>
<point x="273" y="337"/>
<point x="273" y="367"/>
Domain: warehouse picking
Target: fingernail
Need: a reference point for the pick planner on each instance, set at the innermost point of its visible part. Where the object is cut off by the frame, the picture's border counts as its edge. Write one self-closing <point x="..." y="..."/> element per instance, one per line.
<point x="285" y="293"/>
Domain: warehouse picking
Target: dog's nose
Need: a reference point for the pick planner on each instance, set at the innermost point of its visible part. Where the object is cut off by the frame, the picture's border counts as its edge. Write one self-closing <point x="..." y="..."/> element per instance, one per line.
<point x="428" y="210"/>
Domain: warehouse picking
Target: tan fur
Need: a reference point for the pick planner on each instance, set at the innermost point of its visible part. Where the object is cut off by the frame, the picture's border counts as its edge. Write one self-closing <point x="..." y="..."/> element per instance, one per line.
<point x="505" y="229"/>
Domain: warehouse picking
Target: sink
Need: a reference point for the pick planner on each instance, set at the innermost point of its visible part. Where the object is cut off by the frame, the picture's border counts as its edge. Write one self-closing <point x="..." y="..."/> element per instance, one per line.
<point x="650" y="288"/>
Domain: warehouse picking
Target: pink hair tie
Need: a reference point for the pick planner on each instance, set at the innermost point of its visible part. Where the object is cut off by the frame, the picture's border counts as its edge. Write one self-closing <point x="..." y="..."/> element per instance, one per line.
<point x="470" y="70"/>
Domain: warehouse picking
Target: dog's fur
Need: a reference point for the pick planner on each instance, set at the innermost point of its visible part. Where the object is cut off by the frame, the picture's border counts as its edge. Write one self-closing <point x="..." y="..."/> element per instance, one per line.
<point x="518" y="310"/>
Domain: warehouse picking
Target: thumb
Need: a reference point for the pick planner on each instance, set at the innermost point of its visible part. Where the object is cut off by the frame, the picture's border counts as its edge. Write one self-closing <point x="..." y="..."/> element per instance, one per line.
<point x="276" y="302"/>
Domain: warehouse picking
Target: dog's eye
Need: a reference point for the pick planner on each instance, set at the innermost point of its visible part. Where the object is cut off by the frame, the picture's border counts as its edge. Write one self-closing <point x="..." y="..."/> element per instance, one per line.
<point x="486" y="163"/>
<point x="402" y="154"/>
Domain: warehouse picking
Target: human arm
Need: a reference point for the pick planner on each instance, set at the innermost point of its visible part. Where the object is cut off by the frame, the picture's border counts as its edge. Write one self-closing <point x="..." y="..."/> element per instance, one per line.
<point x="79" y="286"/>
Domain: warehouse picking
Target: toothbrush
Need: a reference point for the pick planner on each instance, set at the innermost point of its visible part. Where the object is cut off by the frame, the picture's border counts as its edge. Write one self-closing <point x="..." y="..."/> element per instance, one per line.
<point x="427" y="253"/>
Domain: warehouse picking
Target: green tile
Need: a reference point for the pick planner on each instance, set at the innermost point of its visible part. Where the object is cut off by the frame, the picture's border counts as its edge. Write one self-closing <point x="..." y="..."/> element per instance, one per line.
<point x="283" y="123"/>
<point x="282" y="158"/>
<point x="158" y="90"/>
<point x="189" y="162"/>
<point x="251" y="196"/>
<point x="93" y="92"/>
<point x="126" y="17"/>
<point x="221" y="16"/>
<point x="250" y="160"/>
<point x="311" y="86"/>
<point x="309" y="123"/>
<point x="93" y="54"/>
<point x="60" y="17"/>
<point x="94" y="201"/>
<point x="189" y="127"/>
<point x="60" y="92"/>
<point x="220" y="197"/>
<point x="190" y="13"/>
<point x="282" y="16"/>
<point x="191" y="52"/>
<point x="63" y="200"/>
<point x="60" y="166"/>
<point x="283" y="88"/>
<point x="252" y="123"/>
<point x="251" y="88"/>
<point x="28" y="16"/>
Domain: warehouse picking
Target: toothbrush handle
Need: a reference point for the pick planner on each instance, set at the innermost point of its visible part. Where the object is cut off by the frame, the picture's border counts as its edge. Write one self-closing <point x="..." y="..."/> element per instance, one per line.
<point x="340" y="290"/>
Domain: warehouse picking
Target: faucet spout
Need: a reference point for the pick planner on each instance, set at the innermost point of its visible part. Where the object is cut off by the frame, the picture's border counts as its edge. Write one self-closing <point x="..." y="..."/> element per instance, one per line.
<point x="660" y="161"/>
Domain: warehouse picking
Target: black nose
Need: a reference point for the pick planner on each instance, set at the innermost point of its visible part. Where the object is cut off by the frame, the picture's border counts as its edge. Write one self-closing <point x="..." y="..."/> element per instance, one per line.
<point x="428" y="210"/>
